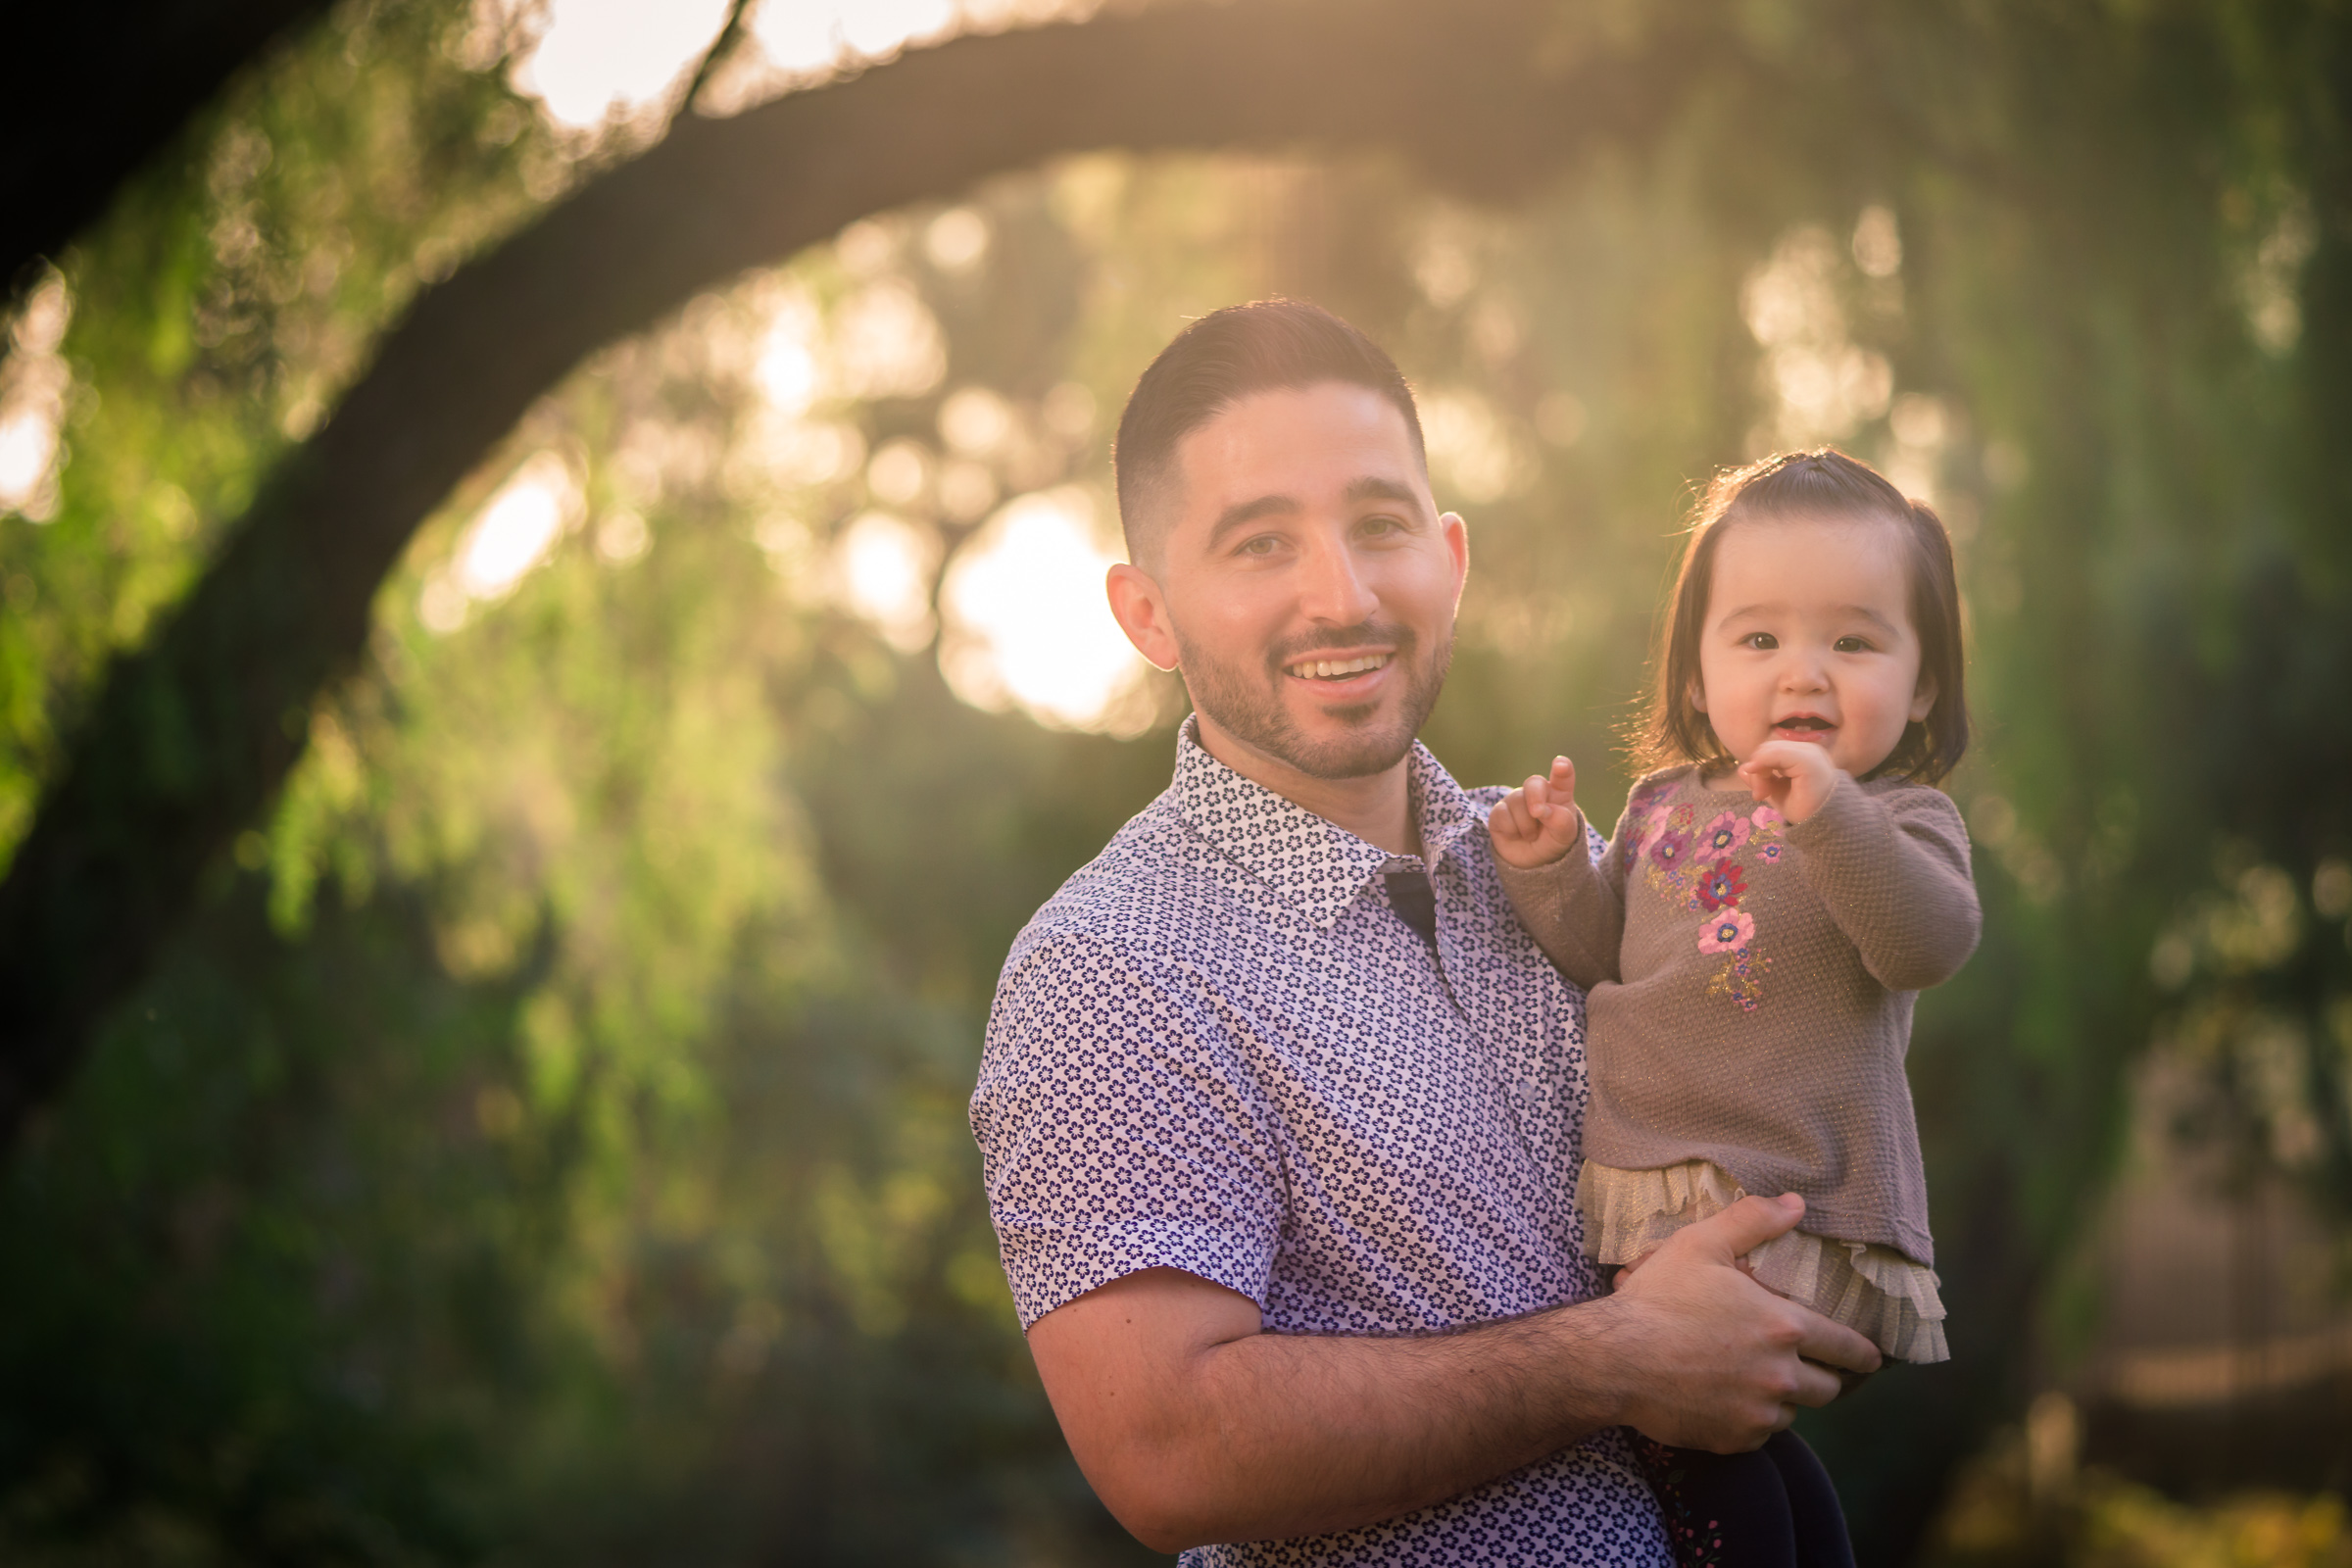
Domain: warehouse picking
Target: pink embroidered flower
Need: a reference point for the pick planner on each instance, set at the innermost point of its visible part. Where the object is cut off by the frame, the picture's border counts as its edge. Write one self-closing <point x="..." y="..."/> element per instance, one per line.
<point x="1671" y="849"/>
<point x="1651" y="826"/>
<point x="1727" y="931"/>
<point x="1765" y="818"/>
<point x="1769" y="854"/>
<point x="1724" y="835"/>
<point x="1720" y="885"/>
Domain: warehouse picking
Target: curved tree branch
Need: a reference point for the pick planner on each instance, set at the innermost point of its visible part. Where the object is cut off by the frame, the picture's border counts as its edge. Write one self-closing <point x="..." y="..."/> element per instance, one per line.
<point x="190" y="737"/>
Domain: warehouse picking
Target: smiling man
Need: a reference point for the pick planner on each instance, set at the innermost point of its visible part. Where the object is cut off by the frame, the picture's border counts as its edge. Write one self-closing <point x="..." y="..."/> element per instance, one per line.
<point x="1281" y="1111"/>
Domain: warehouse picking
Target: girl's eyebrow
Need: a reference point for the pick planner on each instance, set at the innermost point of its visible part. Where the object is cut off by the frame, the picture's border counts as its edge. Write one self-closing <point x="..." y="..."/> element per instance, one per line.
<point x="1865" y="612"/>
<point x="1858" y="612"/>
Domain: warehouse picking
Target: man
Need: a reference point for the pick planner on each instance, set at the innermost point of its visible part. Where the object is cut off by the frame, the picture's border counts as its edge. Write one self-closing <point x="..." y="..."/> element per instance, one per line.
<point x="1280" y="1110"/>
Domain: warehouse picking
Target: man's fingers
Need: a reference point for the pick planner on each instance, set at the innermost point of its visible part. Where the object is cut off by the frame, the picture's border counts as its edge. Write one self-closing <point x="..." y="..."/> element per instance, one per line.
<point x="1832" y="1345"/>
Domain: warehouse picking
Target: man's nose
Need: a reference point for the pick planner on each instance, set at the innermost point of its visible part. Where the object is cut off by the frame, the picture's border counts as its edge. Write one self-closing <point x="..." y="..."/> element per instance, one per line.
<point x="1334" y="589"/>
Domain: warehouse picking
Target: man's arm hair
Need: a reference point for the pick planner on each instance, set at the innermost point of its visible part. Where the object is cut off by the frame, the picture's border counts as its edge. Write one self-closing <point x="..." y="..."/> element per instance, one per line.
<point x="1197" y="1426"/>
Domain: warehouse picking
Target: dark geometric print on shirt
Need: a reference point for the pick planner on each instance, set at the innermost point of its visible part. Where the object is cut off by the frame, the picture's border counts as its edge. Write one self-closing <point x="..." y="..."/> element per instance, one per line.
<point x="1219" y="1049"/>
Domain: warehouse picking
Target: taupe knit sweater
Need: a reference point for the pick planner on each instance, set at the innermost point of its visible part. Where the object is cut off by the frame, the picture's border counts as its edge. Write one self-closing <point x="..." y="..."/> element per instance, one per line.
<point x="1750" y="987"/>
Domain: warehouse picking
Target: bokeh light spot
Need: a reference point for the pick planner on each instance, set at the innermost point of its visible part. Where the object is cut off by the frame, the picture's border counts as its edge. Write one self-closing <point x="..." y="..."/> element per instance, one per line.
<point x="1028" y="625"/>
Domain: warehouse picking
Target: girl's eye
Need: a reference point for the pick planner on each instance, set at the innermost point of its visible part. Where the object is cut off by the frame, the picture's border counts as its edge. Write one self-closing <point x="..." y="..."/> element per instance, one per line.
<point x="1852" y="645"/>
<point x="1763" y="642"/>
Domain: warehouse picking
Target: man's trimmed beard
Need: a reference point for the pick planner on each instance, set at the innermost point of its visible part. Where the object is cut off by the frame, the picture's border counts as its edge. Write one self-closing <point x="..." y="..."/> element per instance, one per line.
<point x="1257" y="716"/>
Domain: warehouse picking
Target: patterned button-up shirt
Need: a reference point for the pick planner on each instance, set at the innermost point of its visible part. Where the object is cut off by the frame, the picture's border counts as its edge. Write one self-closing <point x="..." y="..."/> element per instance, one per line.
<point x="1219" y="1049"/>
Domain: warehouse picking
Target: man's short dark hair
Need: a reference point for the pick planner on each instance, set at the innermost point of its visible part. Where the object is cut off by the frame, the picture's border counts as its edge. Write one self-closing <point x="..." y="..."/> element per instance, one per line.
<point x="1215" y="363"/>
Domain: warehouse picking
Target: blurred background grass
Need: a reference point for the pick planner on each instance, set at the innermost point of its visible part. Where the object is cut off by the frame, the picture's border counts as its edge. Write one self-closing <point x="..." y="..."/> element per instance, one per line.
<point x="546" y="1143"/>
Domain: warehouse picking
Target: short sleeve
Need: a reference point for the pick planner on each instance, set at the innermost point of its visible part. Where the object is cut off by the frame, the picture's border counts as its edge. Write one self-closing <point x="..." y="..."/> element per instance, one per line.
<point x="1117" y="1131"/>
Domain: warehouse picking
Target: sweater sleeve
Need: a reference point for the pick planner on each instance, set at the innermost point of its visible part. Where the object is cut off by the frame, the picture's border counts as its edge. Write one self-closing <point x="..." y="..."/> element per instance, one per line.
<point x="1575" y="908"/>
<point x="1892" y="868"/>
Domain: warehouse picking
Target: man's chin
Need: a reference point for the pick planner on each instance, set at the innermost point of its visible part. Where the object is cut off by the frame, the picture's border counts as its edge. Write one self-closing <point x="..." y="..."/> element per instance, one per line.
<point x="1344" y="742"/>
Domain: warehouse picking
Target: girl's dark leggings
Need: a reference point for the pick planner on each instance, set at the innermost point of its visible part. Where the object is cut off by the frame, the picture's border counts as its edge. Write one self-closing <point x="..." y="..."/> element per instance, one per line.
<point x="1773" y="1509"/>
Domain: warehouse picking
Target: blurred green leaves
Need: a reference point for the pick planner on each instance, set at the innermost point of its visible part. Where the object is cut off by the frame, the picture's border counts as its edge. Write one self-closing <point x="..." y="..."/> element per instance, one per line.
<point x="547" y="1143"/>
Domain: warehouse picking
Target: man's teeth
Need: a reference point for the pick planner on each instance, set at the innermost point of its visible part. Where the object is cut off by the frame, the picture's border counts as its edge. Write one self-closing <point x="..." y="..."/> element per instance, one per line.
<point x="1332" y="669"/>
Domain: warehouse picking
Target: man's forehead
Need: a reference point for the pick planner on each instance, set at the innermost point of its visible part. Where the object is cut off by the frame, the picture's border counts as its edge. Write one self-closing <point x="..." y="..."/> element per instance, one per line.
<point x="1325" y="437"/>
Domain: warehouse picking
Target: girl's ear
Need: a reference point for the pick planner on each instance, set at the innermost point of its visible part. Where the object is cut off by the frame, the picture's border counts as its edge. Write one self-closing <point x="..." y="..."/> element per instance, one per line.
<point x="1698" y="693"/>
<point x="1923" y="701"/>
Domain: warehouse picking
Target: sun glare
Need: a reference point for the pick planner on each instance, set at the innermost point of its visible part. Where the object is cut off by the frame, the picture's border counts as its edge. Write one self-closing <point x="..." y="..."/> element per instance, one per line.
<point x="594" y="58"/>
<point x="34" y="379"/>
<point x="514" y="533"/>
<point x="599" y="55"/>
<point x="1027" y="624"/>
<point x="882" y="570"/>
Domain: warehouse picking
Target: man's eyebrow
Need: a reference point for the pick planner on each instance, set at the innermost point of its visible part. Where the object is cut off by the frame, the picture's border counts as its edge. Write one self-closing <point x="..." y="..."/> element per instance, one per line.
<point x="1242" y="514"/>
<point x="1372" y="487"/>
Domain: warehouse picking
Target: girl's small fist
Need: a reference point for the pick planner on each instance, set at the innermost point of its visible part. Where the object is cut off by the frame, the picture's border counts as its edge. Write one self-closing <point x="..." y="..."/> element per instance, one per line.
<point x="1536" y="823"/>
<point x="1793" y="777"/>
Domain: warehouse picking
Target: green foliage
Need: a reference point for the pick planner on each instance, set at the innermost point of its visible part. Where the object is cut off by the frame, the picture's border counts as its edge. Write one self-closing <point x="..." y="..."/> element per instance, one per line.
<point x="548" y="1143"/>
<point x="232" y="292"/>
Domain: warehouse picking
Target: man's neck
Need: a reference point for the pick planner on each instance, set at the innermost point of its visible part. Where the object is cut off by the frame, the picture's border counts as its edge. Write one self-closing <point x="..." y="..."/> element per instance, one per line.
<point x="1377" y="809"/>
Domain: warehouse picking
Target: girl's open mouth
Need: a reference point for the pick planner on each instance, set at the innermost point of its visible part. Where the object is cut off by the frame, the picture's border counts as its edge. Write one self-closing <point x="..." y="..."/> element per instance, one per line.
<point x="1804" y="727"/>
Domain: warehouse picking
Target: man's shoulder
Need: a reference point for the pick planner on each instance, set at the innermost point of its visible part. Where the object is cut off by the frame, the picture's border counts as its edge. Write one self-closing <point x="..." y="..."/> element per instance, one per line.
<point x="1145" y="896"/>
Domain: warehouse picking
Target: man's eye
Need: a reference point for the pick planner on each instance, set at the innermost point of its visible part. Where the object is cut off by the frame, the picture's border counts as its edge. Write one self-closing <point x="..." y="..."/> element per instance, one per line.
<point x="1852" y="645"/>
<point x="1380" y="527"/>
<point x="1265" y="543"/>
<point x="1761" y="641"/>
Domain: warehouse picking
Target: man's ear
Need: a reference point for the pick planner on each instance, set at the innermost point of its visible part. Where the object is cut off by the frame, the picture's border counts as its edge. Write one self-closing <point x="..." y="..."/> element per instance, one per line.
<point x="1923" y="701"/>
<point x="1457" y="545"/>
<point x="1142" y="612"/>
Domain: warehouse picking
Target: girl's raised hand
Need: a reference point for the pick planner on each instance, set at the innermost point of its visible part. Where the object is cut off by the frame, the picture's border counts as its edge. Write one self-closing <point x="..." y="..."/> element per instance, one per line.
<point x="1537" y="822"/>
<point x="1793" y="777"/>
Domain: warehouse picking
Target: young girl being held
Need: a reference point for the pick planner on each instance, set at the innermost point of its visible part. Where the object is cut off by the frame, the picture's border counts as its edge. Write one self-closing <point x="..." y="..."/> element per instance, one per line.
<point x="1776" y="894"/>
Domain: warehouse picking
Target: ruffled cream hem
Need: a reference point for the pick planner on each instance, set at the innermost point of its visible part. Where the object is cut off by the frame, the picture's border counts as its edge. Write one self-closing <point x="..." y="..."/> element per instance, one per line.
<point x="1874" y="1290"/>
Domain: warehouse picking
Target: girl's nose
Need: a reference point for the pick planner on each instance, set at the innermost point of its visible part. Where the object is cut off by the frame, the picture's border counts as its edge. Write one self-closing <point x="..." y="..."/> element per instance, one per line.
<point x="1802" y="673"/>
<point x="1334" y="589"/>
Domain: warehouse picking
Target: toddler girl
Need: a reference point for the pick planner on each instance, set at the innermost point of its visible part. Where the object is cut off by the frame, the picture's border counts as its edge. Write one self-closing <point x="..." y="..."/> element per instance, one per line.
<point x="1753" y="943"/>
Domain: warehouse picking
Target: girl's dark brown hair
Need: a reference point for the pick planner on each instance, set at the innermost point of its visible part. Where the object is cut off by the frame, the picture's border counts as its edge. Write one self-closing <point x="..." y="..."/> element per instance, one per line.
<point x="1822" y="483"/>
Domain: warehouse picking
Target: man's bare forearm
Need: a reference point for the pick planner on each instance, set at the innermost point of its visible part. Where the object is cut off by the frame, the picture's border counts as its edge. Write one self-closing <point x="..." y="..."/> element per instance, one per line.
<point x="1297" y="1436"/>
<point x="1196" y="1426"/>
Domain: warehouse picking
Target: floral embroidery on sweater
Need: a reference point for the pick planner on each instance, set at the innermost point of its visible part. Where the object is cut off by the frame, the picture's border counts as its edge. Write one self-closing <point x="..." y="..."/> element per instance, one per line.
<point x="1702" y="867"/>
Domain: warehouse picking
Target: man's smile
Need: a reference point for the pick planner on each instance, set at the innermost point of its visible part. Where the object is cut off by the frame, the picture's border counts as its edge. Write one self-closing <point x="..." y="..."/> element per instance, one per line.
<point x="1338" y="669"/>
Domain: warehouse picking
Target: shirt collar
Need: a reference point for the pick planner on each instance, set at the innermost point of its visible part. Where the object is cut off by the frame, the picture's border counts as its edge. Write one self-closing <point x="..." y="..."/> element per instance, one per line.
<point x="1312" y="864"/>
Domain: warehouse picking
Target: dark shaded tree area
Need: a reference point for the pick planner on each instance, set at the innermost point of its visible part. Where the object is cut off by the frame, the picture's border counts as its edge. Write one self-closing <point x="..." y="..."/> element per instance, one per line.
<point x="534" y="1129"/>
<point x="93" y="93"/>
